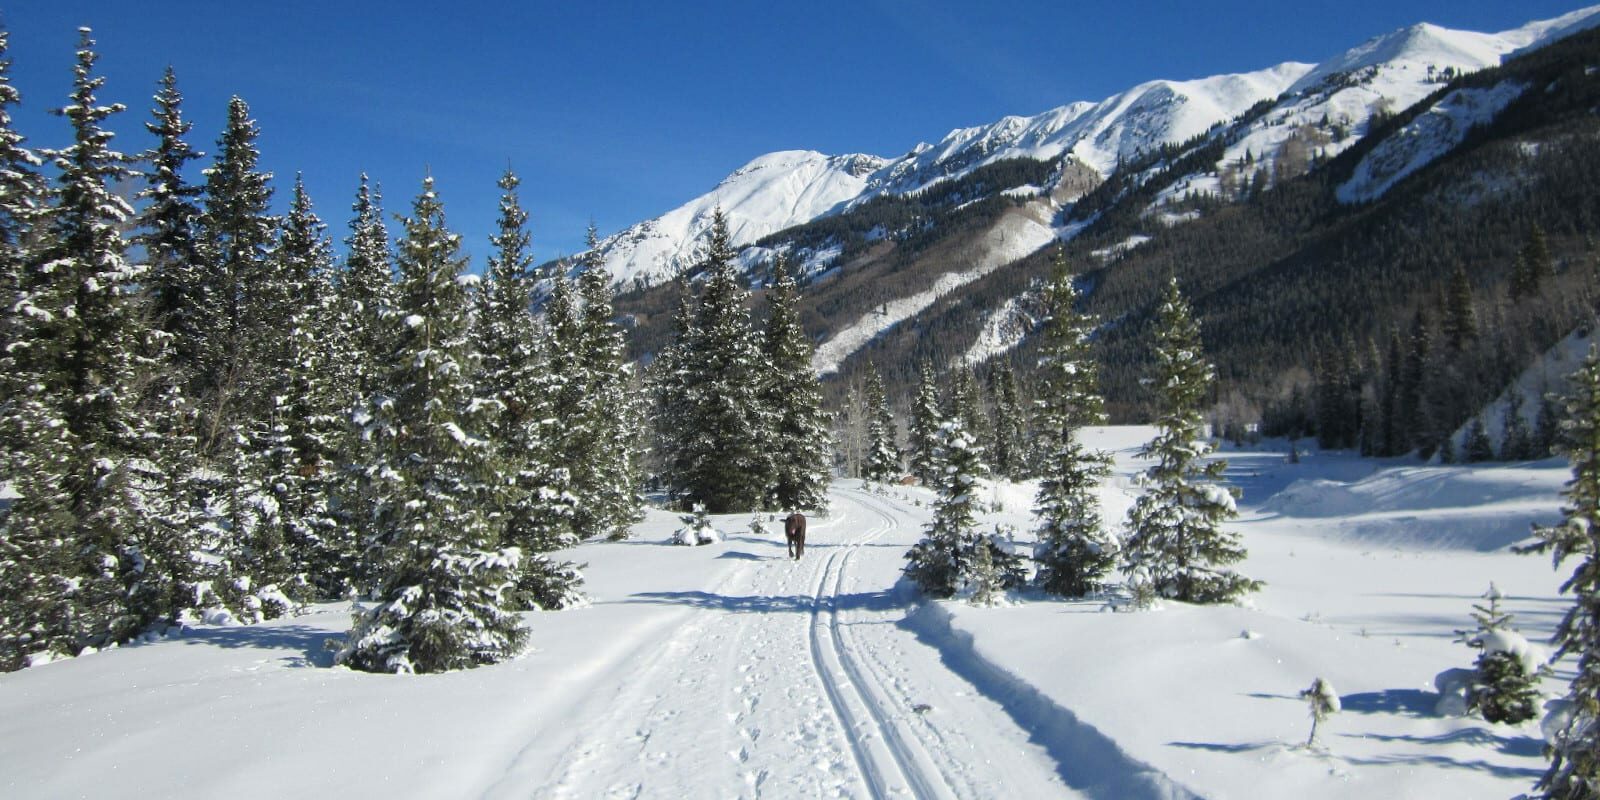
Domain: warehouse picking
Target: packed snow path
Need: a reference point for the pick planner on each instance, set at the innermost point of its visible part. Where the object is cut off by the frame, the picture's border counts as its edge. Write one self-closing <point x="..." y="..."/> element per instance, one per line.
<point x="797" y="679"/>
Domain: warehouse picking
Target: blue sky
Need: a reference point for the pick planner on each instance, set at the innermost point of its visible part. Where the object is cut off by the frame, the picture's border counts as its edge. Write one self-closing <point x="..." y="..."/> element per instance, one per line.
<point x="617" y="112"/>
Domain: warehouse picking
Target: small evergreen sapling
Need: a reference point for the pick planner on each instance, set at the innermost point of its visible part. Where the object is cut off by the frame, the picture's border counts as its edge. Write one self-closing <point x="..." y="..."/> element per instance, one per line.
<point x="1506" y="675"/>
<point x="1324" y="702"/>
<point x="696" y="528"/>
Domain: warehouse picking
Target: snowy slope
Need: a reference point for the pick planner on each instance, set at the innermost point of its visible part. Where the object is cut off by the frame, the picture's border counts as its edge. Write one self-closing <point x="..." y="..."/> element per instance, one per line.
<point x="729" y="671"/>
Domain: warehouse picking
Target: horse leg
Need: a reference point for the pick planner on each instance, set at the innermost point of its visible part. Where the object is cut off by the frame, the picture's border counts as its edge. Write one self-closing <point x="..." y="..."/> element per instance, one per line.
<point x="799" y="547"/>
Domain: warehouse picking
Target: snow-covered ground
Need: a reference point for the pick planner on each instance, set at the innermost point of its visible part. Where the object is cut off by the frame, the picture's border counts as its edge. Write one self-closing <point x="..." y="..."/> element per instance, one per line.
<point x="729" y="671"/>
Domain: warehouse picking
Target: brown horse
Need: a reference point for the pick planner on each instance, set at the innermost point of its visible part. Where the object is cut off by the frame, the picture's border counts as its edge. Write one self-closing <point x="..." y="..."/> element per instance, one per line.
<point x="794" y="529"/>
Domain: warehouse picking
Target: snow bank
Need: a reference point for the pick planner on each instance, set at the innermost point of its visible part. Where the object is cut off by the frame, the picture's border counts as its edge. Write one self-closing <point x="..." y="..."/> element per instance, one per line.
<point x="1432" y="134"/>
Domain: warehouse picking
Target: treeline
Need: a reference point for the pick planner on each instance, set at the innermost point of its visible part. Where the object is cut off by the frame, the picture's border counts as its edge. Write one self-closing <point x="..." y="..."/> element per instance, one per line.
<point x="205" y="413"/>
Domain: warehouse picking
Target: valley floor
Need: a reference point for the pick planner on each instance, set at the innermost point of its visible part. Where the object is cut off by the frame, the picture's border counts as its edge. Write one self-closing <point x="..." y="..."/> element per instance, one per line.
<point x="730" y="671"/>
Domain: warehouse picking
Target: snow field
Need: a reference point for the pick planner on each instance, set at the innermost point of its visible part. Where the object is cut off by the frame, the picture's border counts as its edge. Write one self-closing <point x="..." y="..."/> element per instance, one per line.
<point x="728" y="670"/>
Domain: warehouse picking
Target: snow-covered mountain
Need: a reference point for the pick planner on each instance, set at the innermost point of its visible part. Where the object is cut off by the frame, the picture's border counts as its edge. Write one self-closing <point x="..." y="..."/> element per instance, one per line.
<point x="1383" y="75"/>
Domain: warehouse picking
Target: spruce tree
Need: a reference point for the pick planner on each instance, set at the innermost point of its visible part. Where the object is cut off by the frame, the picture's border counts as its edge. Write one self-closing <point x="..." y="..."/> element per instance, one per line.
<point x="1477" y="447"/>
<point x="797" y="441"/>
<point x="301" y="445"/>
<point x="1075" y="551"/>
<point x="1506" y="673"/>
<point x="1176" y="543"/>
<point x="233" y="313"/>
<point x="444" y="584"/>
<point x="925" y="420"/>
<point x="1009" y="448"/>
<point x="1415" y="421"/>
<point x="1574" y="753"/>
<point x="367" y="292"/>
<point x="940" y="563"/>
<point x="965" y="403"/>
<point x="611" y="414"/>
<point x="168" y="230"/>
<point x="126" y="576"/>
<point x="23" y="193"/>
<point x="882" y="460"/>
<point x="534" y="502"/>
<point x="720" y="434"/>
<point x="1516" y="443"/>
<point x="1460" y="326"/>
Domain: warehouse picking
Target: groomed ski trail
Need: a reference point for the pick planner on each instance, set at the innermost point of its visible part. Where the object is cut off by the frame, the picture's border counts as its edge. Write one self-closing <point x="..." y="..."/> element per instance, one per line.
<point x="789" y="679"/>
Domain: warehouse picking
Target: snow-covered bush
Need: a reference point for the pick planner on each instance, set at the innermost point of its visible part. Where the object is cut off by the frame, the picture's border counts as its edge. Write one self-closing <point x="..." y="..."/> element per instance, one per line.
<point x="697" y="528"/>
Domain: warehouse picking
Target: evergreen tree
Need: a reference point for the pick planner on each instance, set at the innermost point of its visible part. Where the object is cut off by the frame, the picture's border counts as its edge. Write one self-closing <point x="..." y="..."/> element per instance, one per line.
<point x="443" y="584"/>
<point x="883" y="460"/>
<point x="367" y="292"/>
<point x="1505" y="684"/>
<point x="1009" y="449"/>
<point x="965" y="403"/>
<point x="1415" y="425"/>
<point x="168" y="230"/>
<point x="1575" y="751"/>
<point x="1074" y="552"/>
<point x="611" y="414"/>
<point x="1393" y="434"/>
<point x="300" y="446"/>
<point x="925" y="421"/>
<point x="1460" y="326"/>
<point x="534" y="503"/>
<point x="22" y="190"/>
<point x="1546" y="428"/>
<point x="129" y="566"/>
<point x="720" y="433"/>
<point x="1176" y="543"/>
<point x="232" y="313"/>
<point x="1516" y="443"/>
<point x="1477" y="447"/>
<point x="939" y="563"/>
<point x="798" y="444"/>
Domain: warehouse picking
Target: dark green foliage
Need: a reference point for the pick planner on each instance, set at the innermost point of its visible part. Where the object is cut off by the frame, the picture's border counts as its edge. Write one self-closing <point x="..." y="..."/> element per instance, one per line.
<point x="609" y="486"/>
<point x="1477" y="447"/>
<point x="1009" y="449"/>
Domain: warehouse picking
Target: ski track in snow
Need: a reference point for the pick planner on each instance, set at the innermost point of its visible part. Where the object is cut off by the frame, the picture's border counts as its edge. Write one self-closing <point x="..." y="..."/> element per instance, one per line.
<point x="823" y="706"/>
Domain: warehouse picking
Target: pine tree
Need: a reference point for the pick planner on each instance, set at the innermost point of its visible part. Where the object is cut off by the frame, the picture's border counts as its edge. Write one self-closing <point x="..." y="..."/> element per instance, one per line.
<point x="23" y="193"/>
<point x="534" y="501"/>
<point x="798" y="446"/>
<point x="925" y="421"/>
<point x="1506" y="679"/>
<point x="719" y="461"/>
<point x="612" y="415"/>
<point x="168" y="230"/>
<point x="444" y="584"/>
<point x="1575" y="752"/>
<point x="1009" y="448"/>
<point x="939" y="564"/>
<point x="1074" y="552"/>
<point x="1176" y="542"/>
<point x="882" y="460"/>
